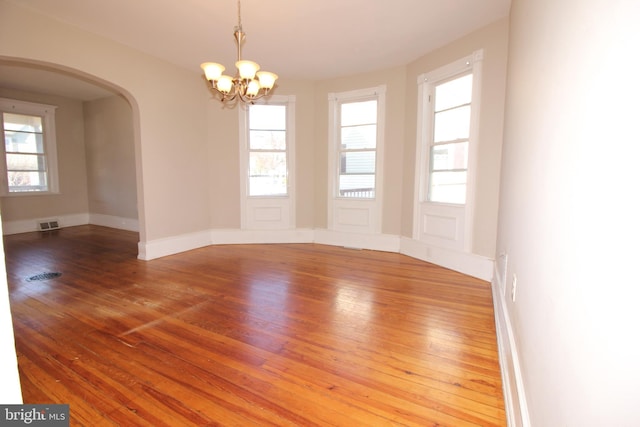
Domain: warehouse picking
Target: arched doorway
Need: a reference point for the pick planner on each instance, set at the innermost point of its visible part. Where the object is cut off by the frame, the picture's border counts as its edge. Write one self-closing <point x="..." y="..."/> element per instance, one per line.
<point x="96" y="149"/>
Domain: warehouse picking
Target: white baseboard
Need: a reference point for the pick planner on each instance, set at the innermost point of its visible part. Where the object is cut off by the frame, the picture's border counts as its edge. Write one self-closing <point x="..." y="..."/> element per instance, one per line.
<point x="466" y="263"/>
<point x="470" y="264"/>
<point x="376" y="242"/>
<point x="515" y="401"/>
<point x="172" y="245"/>
<point x="168" y="246"/>
<point x="111" y="221"/>
<point x="29" y="225"/>
<point x="230" y="236"/>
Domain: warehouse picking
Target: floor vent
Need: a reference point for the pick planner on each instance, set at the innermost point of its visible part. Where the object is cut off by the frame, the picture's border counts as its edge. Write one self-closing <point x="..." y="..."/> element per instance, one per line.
<point x="46" y="225"/>
<point x="43" y="276"/>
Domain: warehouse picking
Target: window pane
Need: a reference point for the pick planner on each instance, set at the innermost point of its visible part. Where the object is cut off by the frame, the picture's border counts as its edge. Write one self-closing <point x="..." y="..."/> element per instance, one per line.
<point x="449" y="156"/>
<point x="19" y="122"/>
<point x="357" y="186"/>
<point x="359" y="113"/>
<point x="267" y="131"/>
<point x="453" y="124"/>
<point x="25" y="162"/>
<point x="357" y="155"/>
<point x="267" y="174"/>
<point x="268" y="117"/>
<point x="357" y="174"/>
<point x="357" y="162"/>
<point x="454" y="93"/>
<point x="18" y="142"/>
<point x="268" y="140"/>
<point x="448" y="187"/>
<point x="27" y="181"/>
<point x="358" y="137"/>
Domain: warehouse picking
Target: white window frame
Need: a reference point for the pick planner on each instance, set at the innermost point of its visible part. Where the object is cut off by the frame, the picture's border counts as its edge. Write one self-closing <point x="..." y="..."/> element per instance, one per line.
<point x="456" y="219"/>
<point x="276" y="211"/>
<point x="47" y="113"/>
<point x="363" y="215"/>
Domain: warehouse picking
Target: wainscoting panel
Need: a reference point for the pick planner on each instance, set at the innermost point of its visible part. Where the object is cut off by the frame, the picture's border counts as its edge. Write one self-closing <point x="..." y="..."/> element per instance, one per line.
<point x="357" y="217"/>
<point x="268" y="213"/>
<point x="442" y="225"/>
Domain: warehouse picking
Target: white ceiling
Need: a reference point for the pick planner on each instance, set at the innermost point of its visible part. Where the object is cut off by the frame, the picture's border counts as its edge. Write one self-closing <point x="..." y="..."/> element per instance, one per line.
<point x="297" y="39"/>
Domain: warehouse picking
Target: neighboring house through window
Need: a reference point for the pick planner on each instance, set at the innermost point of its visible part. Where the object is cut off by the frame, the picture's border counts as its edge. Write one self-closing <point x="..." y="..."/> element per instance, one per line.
<point x="29" y="149"/>
<point x="357" y="149"/>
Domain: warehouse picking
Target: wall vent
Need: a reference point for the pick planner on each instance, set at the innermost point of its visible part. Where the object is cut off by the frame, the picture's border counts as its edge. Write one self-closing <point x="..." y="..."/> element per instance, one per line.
<point x="47" y="225"/>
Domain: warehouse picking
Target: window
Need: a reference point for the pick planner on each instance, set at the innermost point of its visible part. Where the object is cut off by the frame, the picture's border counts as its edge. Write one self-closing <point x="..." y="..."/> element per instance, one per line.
<point x="450" y="143"/>
<point x="447" y="152"/>
<point x="356" y="154"/>
<point x="268" y="150"/>
<point x="29" y="148"/>
<point x="267" y="164"/>
<point x="357" y="151"/>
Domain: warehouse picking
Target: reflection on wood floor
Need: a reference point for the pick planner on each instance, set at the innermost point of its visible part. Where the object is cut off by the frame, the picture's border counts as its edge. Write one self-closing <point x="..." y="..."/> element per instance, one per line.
<point x="249" y="335"/>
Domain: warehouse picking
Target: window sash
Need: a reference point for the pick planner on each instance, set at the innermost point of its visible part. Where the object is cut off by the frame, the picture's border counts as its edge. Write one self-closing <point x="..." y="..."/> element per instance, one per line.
<point x="357" y="150"/>
<point x="449" y="145"/>
<point x="26" y="165"/>
<point x="267" y="151"/>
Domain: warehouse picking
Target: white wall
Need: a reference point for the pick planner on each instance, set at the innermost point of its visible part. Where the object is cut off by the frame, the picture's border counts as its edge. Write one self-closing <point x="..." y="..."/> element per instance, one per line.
<point x="569" y="208"/>
<point x="10" y="392"/>
<point x="111" y="166"/>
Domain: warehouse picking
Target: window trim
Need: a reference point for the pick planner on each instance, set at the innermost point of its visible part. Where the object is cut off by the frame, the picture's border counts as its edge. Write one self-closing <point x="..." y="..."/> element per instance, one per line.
<point x="356" y="215"/>
<point x="247" y="202"/>
<point x="247" y="149"/>
<point x="426" y="82"/>
<point x="335" y="100"/>
<point x="47" y="113"/>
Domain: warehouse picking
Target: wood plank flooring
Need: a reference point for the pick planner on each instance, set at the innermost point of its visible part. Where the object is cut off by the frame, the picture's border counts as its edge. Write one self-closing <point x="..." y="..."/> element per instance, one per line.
<point x="249" y="335"/>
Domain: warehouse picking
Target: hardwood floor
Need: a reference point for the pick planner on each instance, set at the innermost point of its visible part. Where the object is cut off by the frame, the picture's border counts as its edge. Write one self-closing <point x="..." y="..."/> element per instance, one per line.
<point x="249" y="335"/>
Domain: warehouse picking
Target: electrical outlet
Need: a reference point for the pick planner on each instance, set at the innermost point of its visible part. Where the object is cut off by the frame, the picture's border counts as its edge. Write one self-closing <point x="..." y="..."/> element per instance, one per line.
<point x="514" y="282"/>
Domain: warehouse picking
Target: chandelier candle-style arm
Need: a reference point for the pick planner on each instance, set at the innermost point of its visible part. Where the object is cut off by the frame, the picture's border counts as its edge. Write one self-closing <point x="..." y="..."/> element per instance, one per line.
<point x="248" y="84"/>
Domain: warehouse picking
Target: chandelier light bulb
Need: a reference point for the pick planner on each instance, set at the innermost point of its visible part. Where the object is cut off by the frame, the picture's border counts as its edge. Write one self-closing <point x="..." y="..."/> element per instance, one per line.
<point x="247" y="69"/>
<point x="267" y="79"/>
<point x="212" y="70"/>
<point x="253" y="88"/>
<point x="225" y="84"/>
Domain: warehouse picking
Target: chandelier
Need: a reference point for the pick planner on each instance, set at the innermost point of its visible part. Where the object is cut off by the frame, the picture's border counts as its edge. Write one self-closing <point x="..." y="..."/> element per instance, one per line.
<point x="248" y="84"/>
